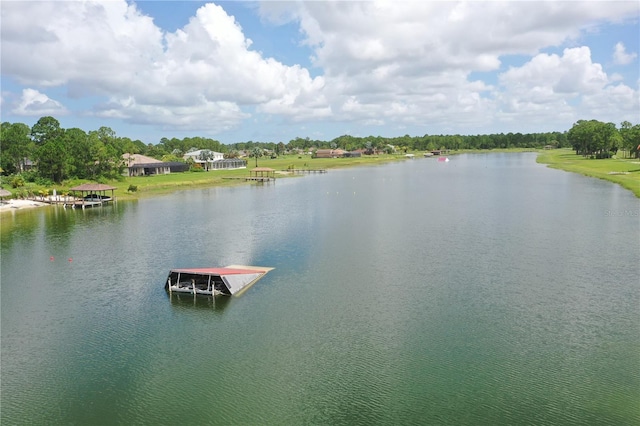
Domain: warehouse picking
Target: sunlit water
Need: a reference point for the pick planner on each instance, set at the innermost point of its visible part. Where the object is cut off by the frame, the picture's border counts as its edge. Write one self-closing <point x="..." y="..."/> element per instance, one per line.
<point x="486" y="290"/>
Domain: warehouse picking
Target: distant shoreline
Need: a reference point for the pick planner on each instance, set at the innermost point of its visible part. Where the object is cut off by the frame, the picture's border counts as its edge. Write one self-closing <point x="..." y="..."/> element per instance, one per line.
<point x="625" y="172"/>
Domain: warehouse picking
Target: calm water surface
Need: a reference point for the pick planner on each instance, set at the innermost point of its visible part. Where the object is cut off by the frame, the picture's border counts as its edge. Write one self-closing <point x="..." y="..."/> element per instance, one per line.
<point x="486" y="290"/>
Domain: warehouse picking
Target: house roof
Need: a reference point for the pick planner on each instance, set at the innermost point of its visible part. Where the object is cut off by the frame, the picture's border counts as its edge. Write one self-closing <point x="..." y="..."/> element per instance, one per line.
<point x="93" y="187"/>
<point x="198" y="152"/>
<point x="133" y="159"/>
<point x="150" y="165"/>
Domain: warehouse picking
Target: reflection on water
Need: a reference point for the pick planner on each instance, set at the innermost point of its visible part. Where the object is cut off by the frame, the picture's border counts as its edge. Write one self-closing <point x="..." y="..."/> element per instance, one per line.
<point x="189" y="301"/>
<point x="486" y="290"/>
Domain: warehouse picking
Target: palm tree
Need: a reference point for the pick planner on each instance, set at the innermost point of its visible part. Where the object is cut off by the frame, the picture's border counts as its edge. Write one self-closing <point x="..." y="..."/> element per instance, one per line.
<point x="256" y="152"/>
<point x="206" y="155"/>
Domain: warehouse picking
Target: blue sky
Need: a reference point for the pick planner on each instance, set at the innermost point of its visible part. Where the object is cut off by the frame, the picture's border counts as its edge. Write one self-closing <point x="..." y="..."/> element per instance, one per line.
<point x="273" y="71"/>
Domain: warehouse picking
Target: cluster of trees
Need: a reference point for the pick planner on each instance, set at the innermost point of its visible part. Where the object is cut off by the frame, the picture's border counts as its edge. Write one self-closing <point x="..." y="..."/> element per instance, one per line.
<point x="596" y="139"/>
<point x="73" y="153"/>
<point x="62" y="153"/>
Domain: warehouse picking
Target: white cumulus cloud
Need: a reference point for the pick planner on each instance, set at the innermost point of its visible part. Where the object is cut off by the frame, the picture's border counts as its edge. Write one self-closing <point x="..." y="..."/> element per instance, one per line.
<point x="425" y="65"/>
<point x="410" y="62"/>
<point x="571" y="85"/>
<point x="34" y="103"/>
<point x="620" y="55"/>
<point x="198" y="77"/>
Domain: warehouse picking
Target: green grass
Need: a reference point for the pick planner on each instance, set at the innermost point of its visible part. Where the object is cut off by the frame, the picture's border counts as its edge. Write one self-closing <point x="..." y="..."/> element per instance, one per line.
<point x="153" y="185"/>
<point x="623" y="171"/>
<point x="563" y="159"/>
<point x="162" y="184"/>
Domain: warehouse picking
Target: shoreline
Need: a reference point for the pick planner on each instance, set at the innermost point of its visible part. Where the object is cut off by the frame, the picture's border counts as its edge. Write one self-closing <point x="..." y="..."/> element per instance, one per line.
<point x="621" y="171"/>
<point x="624" y="172"/>
<point x="15" y="204"/>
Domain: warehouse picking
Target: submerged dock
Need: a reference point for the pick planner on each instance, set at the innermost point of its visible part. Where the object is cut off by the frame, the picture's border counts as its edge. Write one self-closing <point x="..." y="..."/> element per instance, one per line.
<point x="231" y="280"/>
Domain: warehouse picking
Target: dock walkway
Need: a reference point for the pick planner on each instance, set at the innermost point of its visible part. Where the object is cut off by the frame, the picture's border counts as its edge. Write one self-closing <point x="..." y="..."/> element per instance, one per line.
<point x="260" y="179"/>
<point x="252" y="178"/>
<point x="305" y="171"/>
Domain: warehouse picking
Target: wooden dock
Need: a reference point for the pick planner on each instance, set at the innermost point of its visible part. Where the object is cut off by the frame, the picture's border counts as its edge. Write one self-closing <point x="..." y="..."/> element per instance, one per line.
<point x="260" y="179"/>
<point x="71" y="202"/>
<point x="83" y="204"/>
<point x="252" y="179"/>
<point x="305" y="171"/>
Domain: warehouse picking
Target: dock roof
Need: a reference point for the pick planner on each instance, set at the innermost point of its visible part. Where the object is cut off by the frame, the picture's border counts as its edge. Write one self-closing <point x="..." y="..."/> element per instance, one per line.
<point x="93" y="187"/>
<point x="219" y="271"/>
<point x="236" y="278"/>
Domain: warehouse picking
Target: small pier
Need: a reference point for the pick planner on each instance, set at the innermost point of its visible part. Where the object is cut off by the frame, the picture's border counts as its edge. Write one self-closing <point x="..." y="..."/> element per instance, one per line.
<point x="84" y="204"/>
<point x="305" y="171"/>
<point x="262" y="175"/>
<point x="260" y="179"/>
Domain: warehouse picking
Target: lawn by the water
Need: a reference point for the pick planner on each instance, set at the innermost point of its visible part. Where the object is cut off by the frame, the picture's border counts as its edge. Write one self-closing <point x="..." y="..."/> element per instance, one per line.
<point x="153" y="185"/>
<point x="623" y="171"/>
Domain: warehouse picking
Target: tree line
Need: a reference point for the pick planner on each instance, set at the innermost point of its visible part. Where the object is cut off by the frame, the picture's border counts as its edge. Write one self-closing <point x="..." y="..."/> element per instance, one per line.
<point x="62" y="154"/>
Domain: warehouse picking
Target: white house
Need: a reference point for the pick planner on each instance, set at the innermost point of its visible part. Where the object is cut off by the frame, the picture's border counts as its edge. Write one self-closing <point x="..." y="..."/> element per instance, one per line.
<point x="197" y="157"/>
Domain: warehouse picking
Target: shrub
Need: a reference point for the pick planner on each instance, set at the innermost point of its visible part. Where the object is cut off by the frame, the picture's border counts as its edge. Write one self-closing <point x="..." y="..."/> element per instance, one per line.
<point x="43" y="181"/>
<point x="17" y="181"/>
<point x="132" y="188"/>
<point x="29" y="175"/>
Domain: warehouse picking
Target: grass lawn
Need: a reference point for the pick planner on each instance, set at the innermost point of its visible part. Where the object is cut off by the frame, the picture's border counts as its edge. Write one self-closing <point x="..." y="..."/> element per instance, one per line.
<point x="623" y="171"/>
<point x="159" y="184"/>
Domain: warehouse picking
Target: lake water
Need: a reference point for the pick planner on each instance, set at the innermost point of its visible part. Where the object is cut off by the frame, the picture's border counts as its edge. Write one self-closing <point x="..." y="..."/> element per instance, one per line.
<point x="486" y="290"/>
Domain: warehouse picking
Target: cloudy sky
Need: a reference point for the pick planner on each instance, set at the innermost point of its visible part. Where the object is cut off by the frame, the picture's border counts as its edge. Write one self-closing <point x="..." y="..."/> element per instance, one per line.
<point x="273" y="71"/>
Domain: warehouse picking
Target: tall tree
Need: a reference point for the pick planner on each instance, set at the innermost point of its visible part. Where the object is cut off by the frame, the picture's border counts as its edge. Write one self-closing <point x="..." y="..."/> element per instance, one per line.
<point x="256" y="152"/>
<point x="51" y="160"/>
<point x="79" y="150"/>
<point x="51" y="153"/>
<point x="47" y="128"/>
<point x="15" y="147"/>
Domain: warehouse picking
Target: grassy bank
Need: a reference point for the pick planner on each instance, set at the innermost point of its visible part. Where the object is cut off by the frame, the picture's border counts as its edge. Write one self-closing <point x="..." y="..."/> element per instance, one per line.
<point x="162" y="184"/>
<point x="154" y="185"/>
<point x="625" y="172"/>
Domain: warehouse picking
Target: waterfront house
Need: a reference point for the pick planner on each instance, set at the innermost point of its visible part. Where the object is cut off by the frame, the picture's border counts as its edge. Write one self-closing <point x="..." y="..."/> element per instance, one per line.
<point x="141" y="165"/>
<point x="329" y="153"/>
<point x="204" y="157"/>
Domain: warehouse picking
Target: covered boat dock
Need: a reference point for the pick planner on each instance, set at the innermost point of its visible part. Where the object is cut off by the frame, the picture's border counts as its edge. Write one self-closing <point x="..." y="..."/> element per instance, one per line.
<point x="262" y="174"/>
<point x="231" y="280"/>
<point x="91" y="195"/>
